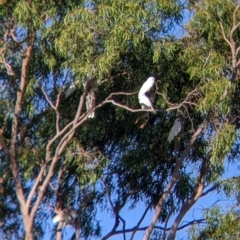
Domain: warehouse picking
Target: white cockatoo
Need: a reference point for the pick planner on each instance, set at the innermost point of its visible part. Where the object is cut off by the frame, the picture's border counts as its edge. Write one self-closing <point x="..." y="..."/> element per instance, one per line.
<point x="72" y="87"/>
<point x="147" y="85"/>
<point x="143" y="99"/>
<point x="145" y="102"/>
<point x="175" y="130"/>
<point x="66" y="216"/>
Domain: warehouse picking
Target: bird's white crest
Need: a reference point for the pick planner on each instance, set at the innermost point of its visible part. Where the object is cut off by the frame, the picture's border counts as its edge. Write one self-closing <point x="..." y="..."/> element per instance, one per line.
<point x="146" y="86"/>
<point x="175" y="130"/>
<point x="145" y="102"/>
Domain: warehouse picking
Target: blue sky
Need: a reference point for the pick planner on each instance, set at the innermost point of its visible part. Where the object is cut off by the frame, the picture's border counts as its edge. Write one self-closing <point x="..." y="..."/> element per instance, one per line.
<point x="132" y="216"/>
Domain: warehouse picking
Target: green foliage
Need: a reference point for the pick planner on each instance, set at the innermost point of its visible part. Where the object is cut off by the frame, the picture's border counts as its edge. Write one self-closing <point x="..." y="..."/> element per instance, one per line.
<point x="99" y="35"/>
<point x="220" y="225"/>
<point x="222" y="143"/>
<point x="213" y="92"/>
<point x="89" y="165"/>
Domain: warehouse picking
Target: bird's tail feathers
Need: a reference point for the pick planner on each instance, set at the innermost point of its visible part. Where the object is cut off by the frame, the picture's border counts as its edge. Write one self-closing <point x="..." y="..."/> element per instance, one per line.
<point x="91" y="115"/>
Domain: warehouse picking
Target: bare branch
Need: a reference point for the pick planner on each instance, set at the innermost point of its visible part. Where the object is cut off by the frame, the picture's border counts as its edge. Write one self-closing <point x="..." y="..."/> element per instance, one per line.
<point x="111" y="78"/>
<point x="193" y="94"/>
<point x="35" y="185"/>
<point x="235" y="25"/>
<point x="216" y="186"/>
<point x="116" y="210"/>
<point x="123" y="222"/>
<point x="58" y="114"/>
<point x="4" y="147"/>
<point x="191" y="201"/>
<point x="172" y="182"/>
<point x="14" y="37"/>
<point x="237" y="51"/>
<point x="128" y="108"/>
<point x="238" y="63"/>
<point x="15" y="124"/>
<point x="48" y="99"/>
<point x="55" y="107"/>
<point x="159" y="227"/>
<point x="168" y="217"/>
<point x="224" y="35"/>
<point x="64" y="141"/>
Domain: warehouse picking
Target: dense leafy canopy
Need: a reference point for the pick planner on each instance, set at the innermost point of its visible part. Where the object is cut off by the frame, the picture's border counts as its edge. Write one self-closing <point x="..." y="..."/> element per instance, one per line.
<point x="54" y="157"/>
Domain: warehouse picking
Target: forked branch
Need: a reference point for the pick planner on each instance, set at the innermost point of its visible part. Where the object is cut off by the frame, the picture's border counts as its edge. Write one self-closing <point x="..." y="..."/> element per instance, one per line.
<point x="191" y="201"/>
<point x="172" y="182"/>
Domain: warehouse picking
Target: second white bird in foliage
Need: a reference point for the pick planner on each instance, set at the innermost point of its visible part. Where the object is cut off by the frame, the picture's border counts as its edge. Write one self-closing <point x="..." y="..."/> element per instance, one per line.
<point x="175" y="130"/>
<point x="72" y="87"/>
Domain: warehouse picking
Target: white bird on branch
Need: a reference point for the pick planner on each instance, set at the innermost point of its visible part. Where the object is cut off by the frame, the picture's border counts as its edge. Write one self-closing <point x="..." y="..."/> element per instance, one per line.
<point x="143" y="99"/>
<point x="175" y="130"/>
<point x="66" y="216"/>
<point x="145" y="102"/>
<point x="147" y="85"/>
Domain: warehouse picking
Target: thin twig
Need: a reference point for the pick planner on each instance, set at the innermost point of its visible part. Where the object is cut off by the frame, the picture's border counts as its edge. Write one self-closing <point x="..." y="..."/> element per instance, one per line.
<point x="48" y="99"/>
<point x="202" y="220"/>
<point x="139" y="222"/>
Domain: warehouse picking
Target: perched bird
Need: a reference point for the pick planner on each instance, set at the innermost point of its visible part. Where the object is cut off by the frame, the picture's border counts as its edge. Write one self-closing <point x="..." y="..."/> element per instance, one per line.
<point x="147" y="85"/>
<point x="145" y="102"/>
<point x="175" y="130"/>
<point x="67" y="216"/>
<point x="90" y="86"/>
<point x="143" y="99"/>
<point x="72" y="87"/>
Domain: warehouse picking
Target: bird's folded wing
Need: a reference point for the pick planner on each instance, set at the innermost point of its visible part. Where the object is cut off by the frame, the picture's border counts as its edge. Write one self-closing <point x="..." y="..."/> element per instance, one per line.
<point x="56" y="219"/>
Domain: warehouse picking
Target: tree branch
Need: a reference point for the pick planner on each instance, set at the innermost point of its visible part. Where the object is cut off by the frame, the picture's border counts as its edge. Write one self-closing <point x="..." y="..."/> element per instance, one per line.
<point x="159" y="227"/>
<point x="191" y="201"/>
<point x="128" y="108"/>
<point x="175" y="177"/>
<point x="187" y="101"/>
<point x="224" y="35"/>
<point x="15" y="124"/>
<point x="214" y="187"/>
<point x="34" y="187"/>
<point x="139" y="222"/>
<point x="116" y="210"/>
<point x="48" y="99"/>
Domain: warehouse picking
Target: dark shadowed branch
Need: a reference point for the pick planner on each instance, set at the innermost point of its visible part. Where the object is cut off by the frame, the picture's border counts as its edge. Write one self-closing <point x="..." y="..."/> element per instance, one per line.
<point x="199" y="221"/>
